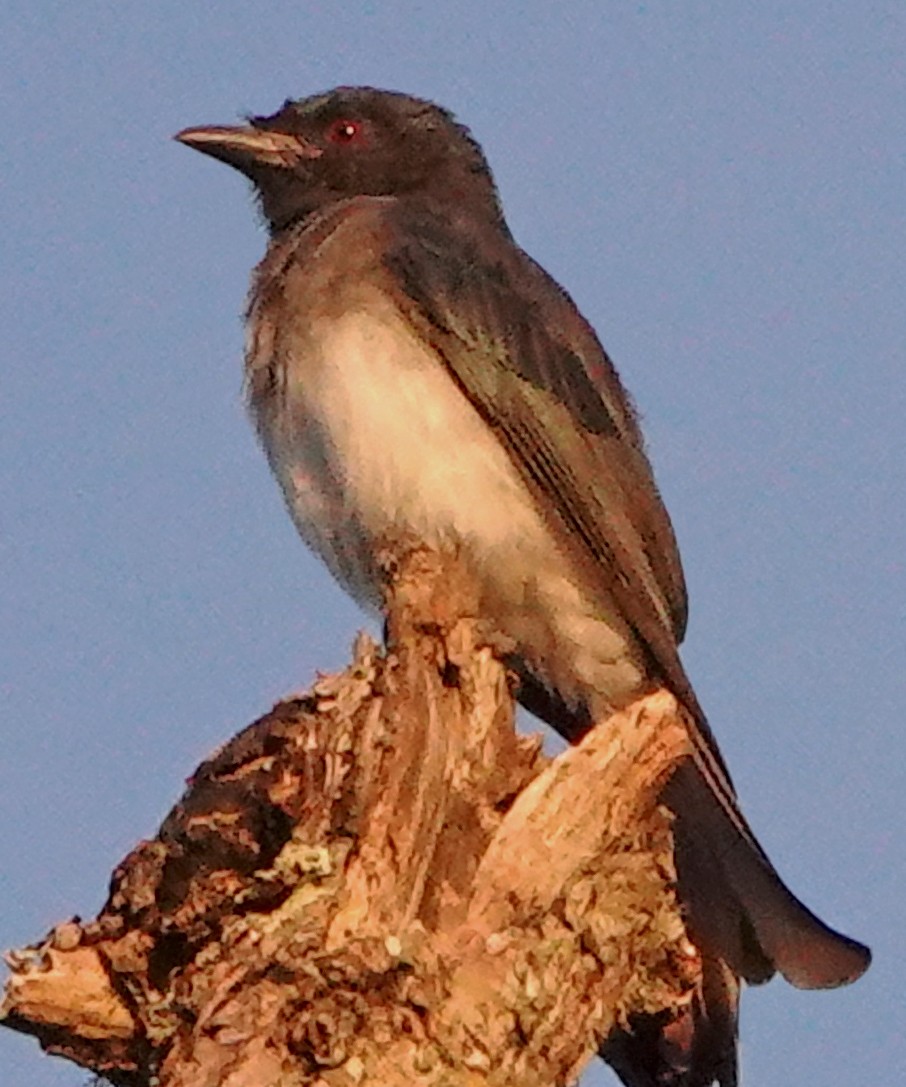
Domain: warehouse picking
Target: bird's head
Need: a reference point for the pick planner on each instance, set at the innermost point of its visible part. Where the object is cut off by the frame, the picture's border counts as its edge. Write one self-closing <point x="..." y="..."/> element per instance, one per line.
<point x="352" y="141"/>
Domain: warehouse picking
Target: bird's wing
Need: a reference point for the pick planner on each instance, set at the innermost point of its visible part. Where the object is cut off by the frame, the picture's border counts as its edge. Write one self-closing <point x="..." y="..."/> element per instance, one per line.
<point x="531" y="365"/>
<point x="533" y="368"/>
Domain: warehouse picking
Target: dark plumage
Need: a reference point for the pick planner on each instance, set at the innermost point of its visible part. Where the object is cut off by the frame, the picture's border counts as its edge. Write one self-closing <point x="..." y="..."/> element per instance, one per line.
<point x="410" y="368"/>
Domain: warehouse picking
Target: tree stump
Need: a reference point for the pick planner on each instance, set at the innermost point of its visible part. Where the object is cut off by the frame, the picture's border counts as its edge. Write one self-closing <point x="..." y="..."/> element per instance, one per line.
<point x="380" y="882"/>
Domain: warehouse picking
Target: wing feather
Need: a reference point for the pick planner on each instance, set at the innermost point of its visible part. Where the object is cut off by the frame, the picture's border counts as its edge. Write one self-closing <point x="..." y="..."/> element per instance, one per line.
<point x="533" y="368"/>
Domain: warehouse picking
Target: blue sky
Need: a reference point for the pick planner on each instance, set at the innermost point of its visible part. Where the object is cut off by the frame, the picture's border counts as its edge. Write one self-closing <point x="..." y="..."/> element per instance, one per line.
<point x="721" y="187"/>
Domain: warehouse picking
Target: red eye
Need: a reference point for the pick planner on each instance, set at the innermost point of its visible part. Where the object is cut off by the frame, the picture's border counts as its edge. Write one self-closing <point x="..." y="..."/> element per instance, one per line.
<point x="345" y="131"/>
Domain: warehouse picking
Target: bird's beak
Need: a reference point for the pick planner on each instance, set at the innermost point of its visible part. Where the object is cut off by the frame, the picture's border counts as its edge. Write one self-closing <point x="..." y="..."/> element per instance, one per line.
<point x="246" y="148"/>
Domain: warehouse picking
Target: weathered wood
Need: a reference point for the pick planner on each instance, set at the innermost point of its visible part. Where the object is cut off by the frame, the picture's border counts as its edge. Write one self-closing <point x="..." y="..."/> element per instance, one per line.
<point x="380" y="882"/>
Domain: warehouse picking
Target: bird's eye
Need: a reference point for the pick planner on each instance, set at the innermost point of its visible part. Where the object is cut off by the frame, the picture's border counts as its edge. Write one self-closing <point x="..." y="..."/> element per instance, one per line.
<point x="345" y="131"/>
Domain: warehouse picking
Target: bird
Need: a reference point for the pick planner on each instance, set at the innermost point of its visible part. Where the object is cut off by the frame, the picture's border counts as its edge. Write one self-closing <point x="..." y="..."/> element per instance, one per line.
<point x="411" y="371"/>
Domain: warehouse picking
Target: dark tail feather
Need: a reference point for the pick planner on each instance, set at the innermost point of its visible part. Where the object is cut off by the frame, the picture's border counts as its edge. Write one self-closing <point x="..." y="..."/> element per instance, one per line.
<point x="741" y="906"/>
<point x="695" y="1048"/>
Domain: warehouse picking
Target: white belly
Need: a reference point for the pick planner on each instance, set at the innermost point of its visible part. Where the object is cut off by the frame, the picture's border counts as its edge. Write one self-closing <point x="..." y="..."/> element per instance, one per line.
<point x="377" y="439"/>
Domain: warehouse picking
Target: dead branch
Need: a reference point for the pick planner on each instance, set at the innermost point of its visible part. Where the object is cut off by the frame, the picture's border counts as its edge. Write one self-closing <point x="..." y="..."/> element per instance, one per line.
<point x="379" y="882"/>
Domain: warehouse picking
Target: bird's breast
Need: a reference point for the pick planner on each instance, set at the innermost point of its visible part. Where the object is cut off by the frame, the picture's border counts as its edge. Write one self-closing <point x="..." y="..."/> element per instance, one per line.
<point x="371" y="438"/>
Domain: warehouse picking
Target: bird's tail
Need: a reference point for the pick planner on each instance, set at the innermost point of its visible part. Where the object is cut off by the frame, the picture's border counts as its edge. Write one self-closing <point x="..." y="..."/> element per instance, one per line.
<point x="740" y="908"/>
<point x="740" y="904"/>
<point x="695" y="1047"/>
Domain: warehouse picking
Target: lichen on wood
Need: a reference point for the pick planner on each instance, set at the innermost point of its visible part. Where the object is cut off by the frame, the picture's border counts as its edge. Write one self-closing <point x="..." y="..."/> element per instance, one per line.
<point x="381" y="882"/>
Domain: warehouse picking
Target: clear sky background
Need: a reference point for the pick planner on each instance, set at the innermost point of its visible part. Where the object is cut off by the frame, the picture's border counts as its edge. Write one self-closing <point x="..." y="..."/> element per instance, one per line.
<point x="720" y="186"/>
